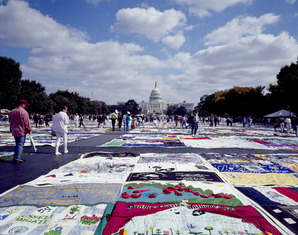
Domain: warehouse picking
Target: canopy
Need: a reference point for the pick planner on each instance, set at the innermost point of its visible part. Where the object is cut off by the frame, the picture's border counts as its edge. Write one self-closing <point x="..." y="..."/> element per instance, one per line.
<point x="280" y="113"/>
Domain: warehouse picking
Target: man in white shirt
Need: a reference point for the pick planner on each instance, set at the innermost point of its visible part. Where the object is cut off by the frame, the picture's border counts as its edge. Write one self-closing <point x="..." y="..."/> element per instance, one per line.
<point x="60" y="122"/>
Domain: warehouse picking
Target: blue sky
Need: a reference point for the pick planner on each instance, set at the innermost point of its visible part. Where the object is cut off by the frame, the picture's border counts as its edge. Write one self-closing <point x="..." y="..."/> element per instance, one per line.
<point x="115" y="50"/>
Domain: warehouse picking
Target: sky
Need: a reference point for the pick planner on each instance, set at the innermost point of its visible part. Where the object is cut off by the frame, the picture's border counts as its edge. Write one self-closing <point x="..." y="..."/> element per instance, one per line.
<point x="115" y="50"/>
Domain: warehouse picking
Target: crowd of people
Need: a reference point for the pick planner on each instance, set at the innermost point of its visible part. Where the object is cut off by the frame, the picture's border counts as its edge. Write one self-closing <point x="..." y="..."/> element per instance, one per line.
<point x="20" y="124"/>
<point x="287" y="124"/>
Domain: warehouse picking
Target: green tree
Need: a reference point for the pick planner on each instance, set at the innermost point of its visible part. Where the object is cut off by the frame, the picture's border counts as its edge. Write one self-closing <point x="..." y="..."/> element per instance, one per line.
<point x="76" y="103"/>
<point x="105" y="108"/>
<point x="35" y="94"/>
<point x="10" y="80"/>
<point x="101" y="107"/>
<point x="284" y="93"/>
<point x="119" y="107"/>
<point x="132" y="106"/>
<point x="171" y="110"/>
<point x="181" y="111"/>
<point x="237" y="101"/>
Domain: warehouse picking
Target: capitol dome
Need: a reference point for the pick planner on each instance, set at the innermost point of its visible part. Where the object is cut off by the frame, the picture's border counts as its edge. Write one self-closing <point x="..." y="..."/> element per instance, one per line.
<point x="155" y="95"/>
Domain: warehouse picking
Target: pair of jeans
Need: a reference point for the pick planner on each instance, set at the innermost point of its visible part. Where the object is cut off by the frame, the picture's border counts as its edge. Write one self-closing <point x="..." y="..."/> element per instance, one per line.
<point x="113" y="123"/>
<point x="18" y="150"/>
<point x="60" y="135"/>
<point x="194" y="128"/>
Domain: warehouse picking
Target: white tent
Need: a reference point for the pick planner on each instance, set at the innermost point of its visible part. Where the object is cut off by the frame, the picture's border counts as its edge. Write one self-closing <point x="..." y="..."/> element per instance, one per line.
<point x="280" y="113"/>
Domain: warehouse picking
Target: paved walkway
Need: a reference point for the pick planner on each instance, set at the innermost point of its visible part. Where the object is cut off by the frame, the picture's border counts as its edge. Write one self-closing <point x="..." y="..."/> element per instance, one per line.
<point x="44" y="160"/>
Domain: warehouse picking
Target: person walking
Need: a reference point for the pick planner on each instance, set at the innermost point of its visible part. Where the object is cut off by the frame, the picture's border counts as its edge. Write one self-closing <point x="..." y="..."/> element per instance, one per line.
<point x="281" y="121"/>
<point x="76" y="120"/>
<point x="128" y="119"/>
<point x="124" y="121"/>
<point x="47" y="119"/>
<point x="244" y="120"/>
<point x="249" y="121"/>
<point x="81" y="121"/>
<point x="176" y="119"/>
<point x="133" y="121"/>
<point x="120" y="118"/>
<point x="60" y="122"/>
<point x="194" y="124"/>
<point x="19" y="127"/>
<point x="215" y="120"/>
<point x="36" y="119"/>
<point x="183" y="122"/>
<point x="100" y="121"/>
<point x="113" y="119"/>
<point x="211" y="119"/>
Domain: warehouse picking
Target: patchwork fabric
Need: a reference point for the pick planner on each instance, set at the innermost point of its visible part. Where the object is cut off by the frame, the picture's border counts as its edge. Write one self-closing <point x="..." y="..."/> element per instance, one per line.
<point x="175" y="176"/>
<point x="88" y="170"/>
<point x="286" y="214"/>
<point x="208" y="139"/>
<point x="250" y="168"/>
<point x="278" y="201"/>
<point x="65" y="195"/>
<point x="175" y="162"/>
<point x="168" y="193"/>
<point x="75" y="219"/>
<point x="221" y="194"/>
<point x="231" y="158"/>
<point x="187" y="218"/>
<point x="277" y="142"/>
<point x="269" y="196"/>
<point x="260" y="179"/>
<point x="181" y="158"/>
<point x="222" y="142"/>
<point x="145" y="140"/>
<point x="290" y="161"/>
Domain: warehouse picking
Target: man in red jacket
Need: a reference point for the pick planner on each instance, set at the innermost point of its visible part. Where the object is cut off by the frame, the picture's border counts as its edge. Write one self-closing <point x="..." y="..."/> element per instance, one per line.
<point x="19" y="126"/>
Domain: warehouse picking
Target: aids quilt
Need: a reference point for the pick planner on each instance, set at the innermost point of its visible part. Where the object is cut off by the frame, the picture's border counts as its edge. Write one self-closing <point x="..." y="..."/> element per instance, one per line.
<point x="51" y="220"/>
<point x="202" y="141"/>
<point x="156" y="193"/>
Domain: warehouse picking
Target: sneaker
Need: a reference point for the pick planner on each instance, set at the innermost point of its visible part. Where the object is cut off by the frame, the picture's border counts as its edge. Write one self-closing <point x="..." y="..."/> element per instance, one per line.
<point x="66" y="151"/>
<point x="58" y="153"/>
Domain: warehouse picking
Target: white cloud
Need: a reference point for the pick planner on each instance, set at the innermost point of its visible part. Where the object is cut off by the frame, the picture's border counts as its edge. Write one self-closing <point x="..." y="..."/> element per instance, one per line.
<point x="240" y="27"/>
<point x="290" y="1"/>
<point x="101" y="67"/>
<point x="252" y="61"/>
<point x="203" y="8"/>
<point x="61" y="58"/>
<point x="155" y="25"/>
<point x="21" y="26"/>
<point x="237" y="54"/>
<point x="175" y="41"/>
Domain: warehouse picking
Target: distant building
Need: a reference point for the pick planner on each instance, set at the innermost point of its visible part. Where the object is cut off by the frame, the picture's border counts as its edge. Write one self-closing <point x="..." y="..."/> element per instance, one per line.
<point x="157" y="106"/>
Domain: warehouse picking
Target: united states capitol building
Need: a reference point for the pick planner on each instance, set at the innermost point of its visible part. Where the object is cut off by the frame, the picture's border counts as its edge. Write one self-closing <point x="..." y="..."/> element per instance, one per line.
<point x="157" y="106"/>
